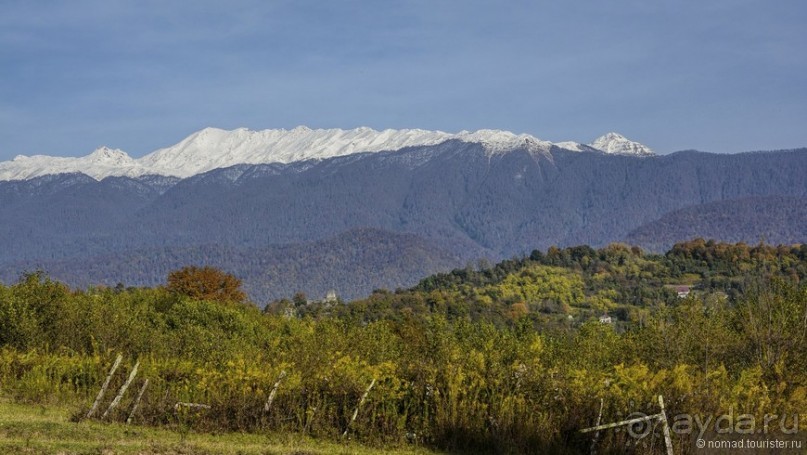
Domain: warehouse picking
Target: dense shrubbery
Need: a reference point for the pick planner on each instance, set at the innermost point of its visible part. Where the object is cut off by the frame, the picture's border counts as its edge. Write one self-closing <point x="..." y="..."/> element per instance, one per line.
<point x="563" y="288"/>
<point x="463" y="361"/>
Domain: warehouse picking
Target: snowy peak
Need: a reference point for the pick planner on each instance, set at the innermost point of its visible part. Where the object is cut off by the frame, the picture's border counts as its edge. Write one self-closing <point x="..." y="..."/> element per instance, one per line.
<point x="103" y="162"/>
<point x="498" y="141"/>
<point x="110" y="157"/>
<point x="214" y="148"/>
<point x="617" y="144"/>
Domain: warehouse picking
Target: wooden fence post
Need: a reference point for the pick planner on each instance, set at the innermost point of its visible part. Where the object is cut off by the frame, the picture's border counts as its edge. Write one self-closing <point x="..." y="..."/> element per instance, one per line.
<point x="268" y="404"/>
<point x="181" y="404"/>
<point x="104" y="387"/>
<point x="661" y="417"/>
<point x="137" y="402"/>
<point x="597" y="434"/>
<point x="666" y="427"/>
<point x="356" y="412"/>
<point x="122" y="390"/>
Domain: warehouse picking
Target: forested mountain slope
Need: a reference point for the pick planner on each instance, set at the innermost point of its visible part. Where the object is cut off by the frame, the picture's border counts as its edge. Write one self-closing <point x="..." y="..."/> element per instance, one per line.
<point x="352" y="264"/>
<point x="463" y="199"/>
<point x="772" y="219"/>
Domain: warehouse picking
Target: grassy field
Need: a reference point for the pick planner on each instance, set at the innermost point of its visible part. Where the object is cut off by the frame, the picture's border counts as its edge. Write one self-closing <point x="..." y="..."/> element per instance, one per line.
<point x="35" y="429"/>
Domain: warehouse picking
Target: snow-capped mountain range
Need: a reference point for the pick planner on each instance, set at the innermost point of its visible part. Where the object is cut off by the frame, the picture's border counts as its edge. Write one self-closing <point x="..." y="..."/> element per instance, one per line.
<point x="617" y="144"/>
<point x="213" y="148"/>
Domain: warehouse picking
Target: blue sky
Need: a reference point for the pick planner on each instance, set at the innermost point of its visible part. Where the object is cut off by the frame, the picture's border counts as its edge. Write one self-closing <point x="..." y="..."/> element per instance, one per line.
<point x="716" y="75"/>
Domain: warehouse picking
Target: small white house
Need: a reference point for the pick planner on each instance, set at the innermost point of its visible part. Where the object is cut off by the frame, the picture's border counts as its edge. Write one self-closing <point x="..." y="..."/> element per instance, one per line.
<point x="605" y="319"/>
<point x="330" y="297"/>
<point x="682" y="291"/>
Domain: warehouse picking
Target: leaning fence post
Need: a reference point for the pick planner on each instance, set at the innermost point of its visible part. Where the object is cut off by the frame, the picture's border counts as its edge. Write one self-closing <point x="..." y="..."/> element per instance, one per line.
<point x="104" y="387"/>
<point x="661" y="416"/>
<point x="597" y="434"/>
<point x="181" y="404"/>
<point x="137" y="402"/>
<point x="356" y="411"/>
<point x="122" y="390"/>
<point x="268" y="404"/>
<point x="666" y="426"/>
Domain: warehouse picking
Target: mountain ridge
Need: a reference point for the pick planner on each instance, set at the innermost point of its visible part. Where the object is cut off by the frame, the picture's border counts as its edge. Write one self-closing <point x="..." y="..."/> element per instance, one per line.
<point x="455" y="197"/>
<point x="214" y="148"/>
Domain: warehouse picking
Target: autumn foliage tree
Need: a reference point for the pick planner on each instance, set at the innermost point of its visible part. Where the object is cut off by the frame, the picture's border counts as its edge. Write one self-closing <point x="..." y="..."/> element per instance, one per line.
<point x="206" y="283"/>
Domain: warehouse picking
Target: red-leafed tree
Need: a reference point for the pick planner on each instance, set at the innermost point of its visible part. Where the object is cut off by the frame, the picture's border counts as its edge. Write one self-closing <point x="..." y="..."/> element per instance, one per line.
<point x="206" y="283"/>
